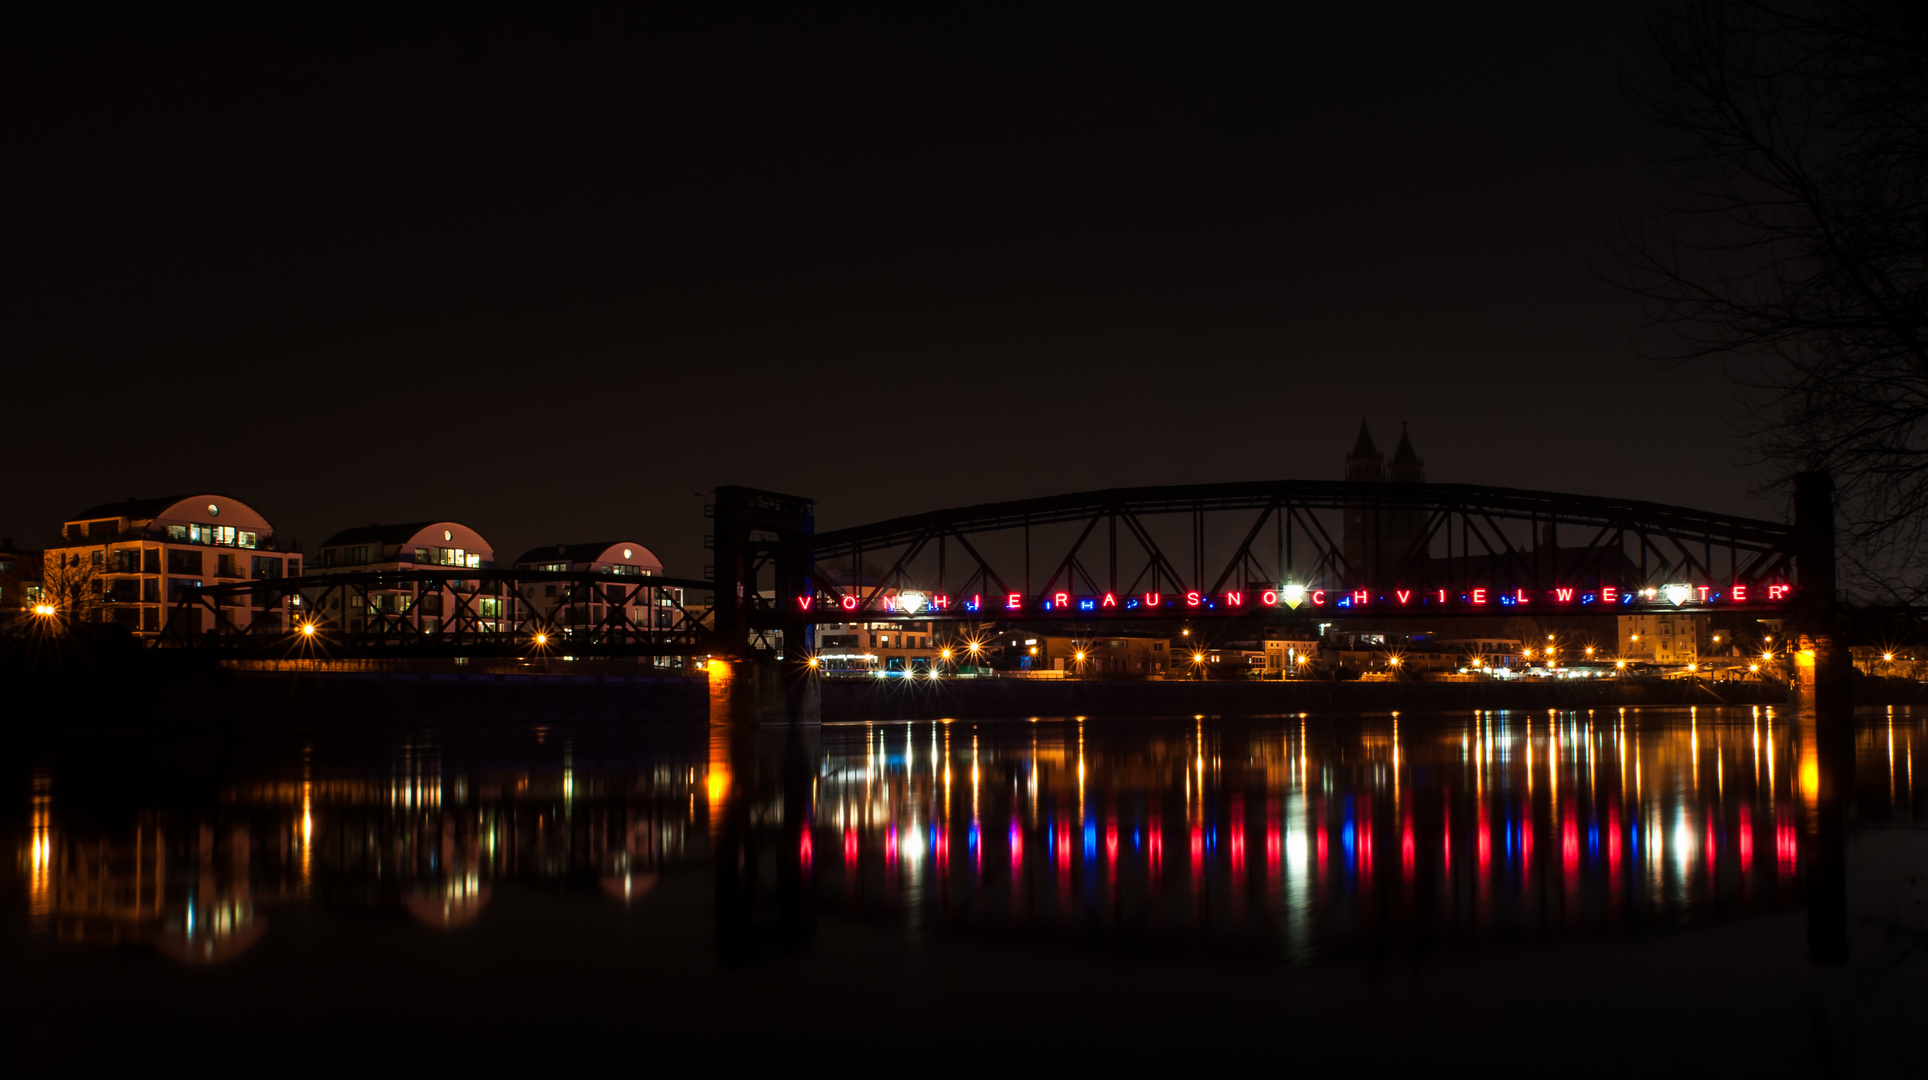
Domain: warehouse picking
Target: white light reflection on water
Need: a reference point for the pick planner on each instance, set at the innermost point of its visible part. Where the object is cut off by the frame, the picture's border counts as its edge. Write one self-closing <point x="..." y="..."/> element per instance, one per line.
<point x="1469" y="825"/>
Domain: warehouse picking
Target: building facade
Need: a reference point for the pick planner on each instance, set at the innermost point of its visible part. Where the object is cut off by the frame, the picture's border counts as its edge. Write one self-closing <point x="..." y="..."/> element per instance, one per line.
<point x="1666" y="637"/>
<point x="20" y="571"/>
<point x="129" y="562"/>
<point x="561" y="604"/>
<point x="413" y="608"/>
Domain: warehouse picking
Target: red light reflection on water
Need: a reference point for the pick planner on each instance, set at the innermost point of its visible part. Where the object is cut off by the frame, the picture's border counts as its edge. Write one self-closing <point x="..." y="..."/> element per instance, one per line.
<point x="1198" y="850"/>
<point x="1237" y="839"/>
<point x="803" y="849"/>
<point x="1111" y="841"/>
<point x="850" y="847"/>
<point x="1570" y="843"/>
<point x="1017" y="849"/>
<point x="1613" y="845"/>
<point x="1365" y="844"/>
<point x="1485" y="845"/>
<point x="1747" y="838"/>
<point x="1406" y="848"/>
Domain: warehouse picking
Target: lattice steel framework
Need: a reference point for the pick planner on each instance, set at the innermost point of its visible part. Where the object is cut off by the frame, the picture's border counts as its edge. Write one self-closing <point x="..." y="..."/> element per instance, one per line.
<point x="1424" y="537"/>
<point x="429" y="612"/>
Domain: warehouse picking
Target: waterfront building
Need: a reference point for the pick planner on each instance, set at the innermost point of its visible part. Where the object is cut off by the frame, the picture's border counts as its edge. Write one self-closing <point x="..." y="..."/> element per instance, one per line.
<point x="414" y="607"/>
<point x="1486" y="651"/>
<point x="127" y="562"/>
<point x="560" y="604"/>
<point x="1665" y="637"/>
<point x="19" y="580"/>
<point x="889" y="647"/>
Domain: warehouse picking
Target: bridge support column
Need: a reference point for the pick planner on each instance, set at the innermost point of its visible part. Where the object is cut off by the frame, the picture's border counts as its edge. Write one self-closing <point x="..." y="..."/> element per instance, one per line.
<point x="764" y="692"/>
<point x="1822" y="695"/>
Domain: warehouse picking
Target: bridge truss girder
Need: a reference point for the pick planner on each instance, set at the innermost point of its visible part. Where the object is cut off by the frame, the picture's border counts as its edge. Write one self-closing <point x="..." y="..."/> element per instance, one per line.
<point x="435" y="612"/>
<point x="1447" y="536"/>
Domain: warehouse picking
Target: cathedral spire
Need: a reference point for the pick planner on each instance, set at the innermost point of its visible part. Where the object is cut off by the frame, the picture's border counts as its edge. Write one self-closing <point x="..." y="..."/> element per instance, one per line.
<point x="1406" y="466"/>
<point x="1364" y="448"/>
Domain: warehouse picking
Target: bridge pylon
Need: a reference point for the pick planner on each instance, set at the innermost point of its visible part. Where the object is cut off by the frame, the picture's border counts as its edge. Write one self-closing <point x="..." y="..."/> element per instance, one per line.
<point x="760" y="671"/>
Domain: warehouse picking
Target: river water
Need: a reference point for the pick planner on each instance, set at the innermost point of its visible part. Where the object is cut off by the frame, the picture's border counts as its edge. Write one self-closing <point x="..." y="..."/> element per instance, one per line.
<point x="1605" y="889"/>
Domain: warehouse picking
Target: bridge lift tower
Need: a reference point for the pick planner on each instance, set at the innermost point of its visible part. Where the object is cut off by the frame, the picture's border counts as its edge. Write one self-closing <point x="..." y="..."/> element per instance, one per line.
<point x="760" y="671"/>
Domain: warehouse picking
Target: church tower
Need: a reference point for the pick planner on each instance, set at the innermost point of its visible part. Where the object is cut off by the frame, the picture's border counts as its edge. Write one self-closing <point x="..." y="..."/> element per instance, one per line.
<point x="1365" y="465"/>
<point x="1379" y="541"/>
<point x="1406" y="466"/>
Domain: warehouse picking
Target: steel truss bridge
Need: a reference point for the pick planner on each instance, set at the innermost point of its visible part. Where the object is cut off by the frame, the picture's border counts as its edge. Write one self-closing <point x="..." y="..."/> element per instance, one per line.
<point x="443" y="612"/>
<point x="1438" y="550"/>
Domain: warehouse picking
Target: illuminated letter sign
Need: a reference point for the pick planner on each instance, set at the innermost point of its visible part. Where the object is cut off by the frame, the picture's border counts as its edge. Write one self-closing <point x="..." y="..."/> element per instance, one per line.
<point x="1739" y="593"/>
<point x="1519" y="596"/>
<point x="1564" y="596"/>
<point x="1609" y="594"/>
<point x="1234" y="599"/>
<point x="1152" y="599"/>
<point x="1318" y="598"/>
<point x="1359" y="597"/>
<point x="1013" y="602"/>
<point x="1059" y="600"/>
<point x="1479" y="596"/>
<point x="941" y="602"/>
<point x="1405" y="595"/>
<point x="803" y="603"/>
<point x="1110" y="600"/>
<point x="1777" y="592"/>
<point x="1191" y="599"/>
<point x="1269" y="598"/>
<point x="849" y="603"/>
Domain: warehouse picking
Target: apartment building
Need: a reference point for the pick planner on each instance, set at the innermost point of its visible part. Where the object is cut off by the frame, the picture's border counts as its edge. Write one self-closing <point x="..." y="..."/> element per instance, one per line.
<point x="128" y="562"/>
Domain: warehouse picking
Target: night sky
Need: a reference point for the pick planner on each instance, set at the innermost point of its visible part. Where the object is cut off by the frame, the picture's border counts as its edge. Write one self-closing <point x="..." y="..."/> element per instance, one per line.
<point x="553" y="271"/>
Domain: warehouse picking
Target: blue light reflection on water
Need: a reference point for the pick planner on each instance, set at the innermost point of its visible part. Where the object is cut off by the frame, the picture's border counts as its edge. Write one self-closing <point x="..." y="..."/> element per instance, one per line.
<point x="1695" y="816"/>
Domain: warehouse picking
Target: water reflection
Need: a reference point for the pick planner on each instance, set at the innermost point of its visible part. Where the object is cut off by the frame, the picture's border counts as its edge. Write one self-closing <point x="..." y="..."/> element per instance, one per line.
<point x="1299" y="836"/>
<point x="1314" y="834"/>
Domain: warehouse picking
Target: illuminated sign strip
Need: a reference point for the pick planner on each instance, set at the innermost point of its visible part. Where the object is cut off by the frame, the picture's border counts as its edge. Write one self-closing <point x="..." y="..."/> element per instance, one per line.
<point x="1293" y="597"/>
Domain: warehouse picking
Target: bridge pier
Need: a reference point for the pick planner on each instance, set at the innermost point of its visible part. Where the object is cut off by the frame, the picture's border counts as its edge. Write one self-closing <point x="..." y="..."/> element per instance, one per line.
<point x="1822" y="696"/>
<point x="764" y="692"/>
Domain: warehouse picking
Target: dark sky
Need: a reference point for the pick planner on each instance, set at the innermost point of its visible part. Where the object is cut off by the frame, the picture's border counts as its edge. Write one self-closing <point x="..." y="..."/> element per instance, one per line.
<point x="552" y="271"/>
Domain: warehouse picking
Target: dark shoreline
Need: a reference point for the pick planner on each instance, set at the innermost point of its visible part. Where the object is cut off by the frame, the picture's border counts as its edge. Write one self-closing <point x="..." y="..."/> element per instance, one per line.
<point x="146" y="688"/>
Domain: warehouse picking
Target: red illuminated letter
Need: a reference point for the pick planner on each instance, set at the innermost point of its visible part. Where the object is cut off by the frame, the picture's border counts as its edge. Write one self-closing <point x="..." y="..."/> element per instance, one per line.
<point x="849" y="603"/>
<point x="940" y="602"/>
<point x="1739" y="593"/>
<point x="1564" y="596"/>
<point x="1059" y="600"/>
<point x="1609" y="594"/>
<point x="1442" y="596"/>
<point x="1191" y="599"/>
<point x="803" y="602"/>
<point x="1108" y="601"/>
<point x="1013" y="602"/>
<point x="1703" y="593"/>
<point x="1318" y="598"/>
<point x="1360" y="596"/>
<point x="1479" y="596"/>
<point x="1519" y="596"/>
<point x="1152" y="599"/>
<point x="1234" y="599"/>
<point x="1404" y="595"/>
<point x="1269" y="598"/>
